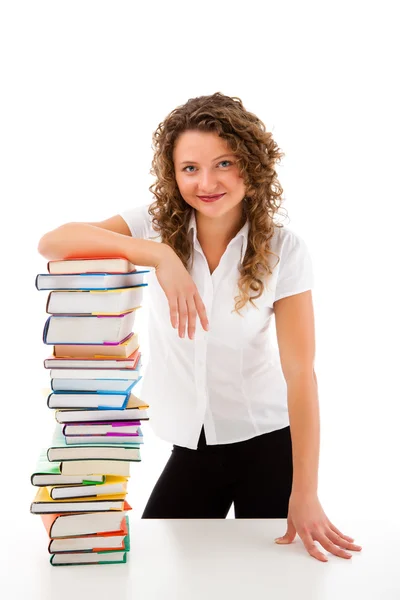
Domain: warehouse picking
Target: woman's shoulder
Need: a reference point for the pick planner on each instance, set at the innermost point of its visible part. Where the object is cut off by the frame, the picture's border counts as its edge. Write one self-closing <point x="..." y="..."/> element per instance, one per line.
<point x="284" y="238"/>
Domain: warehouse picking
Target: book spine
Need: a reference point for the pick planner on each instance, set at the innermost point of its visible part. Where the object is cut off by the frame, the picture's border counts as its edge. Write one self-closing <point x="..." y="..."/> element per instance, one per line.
<point x="47" y="303"/>
<point x="46" y="329"/>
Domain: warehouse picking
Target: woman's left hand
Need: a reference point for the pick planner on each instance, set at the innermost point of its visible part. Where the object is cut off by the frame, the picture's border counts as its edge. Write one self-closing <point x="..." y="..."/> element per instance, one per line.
<point x="307" y="518"/>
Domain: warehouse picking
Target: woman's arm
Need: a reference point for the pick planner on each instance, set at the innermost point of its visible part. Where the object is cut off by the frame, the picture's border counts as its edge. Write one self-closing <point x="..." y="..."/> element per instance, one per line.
<point x="294" y="319"/>
<point x="112" y="238"/>
<point x="105" y="238"/>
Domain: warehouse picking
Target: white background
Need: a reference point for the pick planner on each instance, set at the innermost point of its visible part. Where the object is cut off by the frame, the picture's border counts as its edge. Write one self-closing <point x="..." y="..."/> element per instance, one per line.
<point x="84" y="85"/>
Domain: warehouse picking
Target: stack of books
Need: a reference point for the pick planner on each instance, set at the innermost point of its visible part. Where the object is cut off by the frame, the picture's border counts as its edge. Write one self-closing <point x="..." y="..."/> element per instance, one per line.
<point x="96" y="363"/>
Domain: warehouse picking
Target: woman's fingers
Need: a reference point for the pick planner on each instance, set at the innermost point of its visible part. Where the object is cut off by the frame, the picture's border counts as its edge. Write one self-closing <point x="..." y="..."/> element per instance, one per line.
<point x="183" y="315"/>
<point x="184" y="311"/>
<point x="192" y="314"/>
<point x="173" y="311"/>
<point x="182" y="294"/>
<point x="336" y="530"/>
<point x="201" y="310"/>
<point x="342" y="542"/>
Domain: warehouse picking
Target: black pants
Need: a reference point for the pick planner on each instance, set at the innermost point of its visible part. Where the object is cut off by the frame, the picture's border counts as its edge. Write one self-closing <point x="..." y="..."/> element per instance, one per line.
<point x="256" y="475"/>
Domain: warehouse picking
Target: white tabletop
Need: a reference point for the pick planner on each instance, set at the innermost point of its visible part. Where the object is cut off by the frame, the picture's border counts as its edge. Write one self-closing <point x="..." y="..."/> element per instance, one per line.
<point x="210" y="558"/>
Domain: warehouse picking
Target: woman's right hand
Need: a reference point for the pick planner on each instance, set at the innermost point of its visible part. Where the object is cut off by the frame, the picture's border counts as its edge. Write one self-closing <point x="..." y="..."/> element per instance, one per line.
<point x="181" y="291"/>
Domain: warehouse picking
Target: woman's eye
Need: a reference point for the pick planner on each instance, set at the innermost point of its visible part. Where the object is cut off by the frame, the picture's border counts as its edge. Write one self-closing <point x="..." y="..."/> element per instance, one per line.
<point x="192" y="167"/>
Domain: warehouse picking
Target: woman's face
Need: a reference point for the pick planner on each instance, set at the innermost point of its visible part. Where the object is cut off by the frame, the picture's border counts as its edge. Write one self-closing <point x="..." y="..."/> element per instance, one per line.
<point x="205" y="166"/>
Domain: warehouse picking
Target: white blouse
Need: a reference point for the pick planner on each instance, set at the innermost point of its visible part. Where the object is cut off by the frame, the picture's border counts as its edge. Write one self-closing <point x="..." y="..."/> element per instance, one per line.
<point x="228" y="378"/>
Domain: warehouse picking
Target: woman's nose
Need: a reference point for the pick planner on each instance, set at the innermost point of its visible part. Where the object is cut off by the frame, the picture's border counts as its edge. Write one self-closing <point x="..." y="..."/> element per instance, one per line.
<point x="207" y="181"/>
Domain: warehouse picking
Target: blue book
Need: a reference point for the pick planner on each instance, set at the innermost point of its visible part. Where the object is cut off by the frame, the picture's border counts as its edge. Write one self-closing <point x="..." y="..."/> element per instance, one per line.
<point x="89" y="281"/>
<point x="124" y="386"/>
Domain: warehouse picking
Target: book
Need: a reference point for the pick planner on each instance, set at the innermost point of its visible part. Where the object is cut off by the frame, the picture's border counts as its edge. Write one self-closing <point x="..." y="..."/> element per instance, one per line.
<point x="113" y="484"/>
<point x="49" y="473"/>
<point x="89" y="281"/>
<point x="100" y="400"/>
<point x="94" y="542"/>
<point x="93" y="385"/>
<point x="107" y="438"/>
<point x="43" y="503"/>
<point x="94" y="351"/>
<point x="135" y="409"/>
<point x="130" y="362"/>
<point x="91" y="265"/>
<point x="93" y="467"/>
<point x="101" y="428"/>
<point x="60" y="525"/>
<point x="60" y="451"/>
<point x="126" y="452"/>
<point x="94" y="302"/>
<point x="88" y="329"/>
<point x="96" y="373"/>
<point x="87" y="558"/>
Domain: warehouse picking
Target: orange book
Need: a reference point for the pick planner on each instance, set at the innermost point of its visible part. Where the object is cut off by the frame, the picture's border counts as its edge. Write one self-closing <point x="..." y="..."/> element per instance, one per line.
<point x="98" y="362"/>
<point x="64" y="525"/>
<point x="121" y="350"/>
<point x="98" y="542"/>
<point x="95" y="264"/>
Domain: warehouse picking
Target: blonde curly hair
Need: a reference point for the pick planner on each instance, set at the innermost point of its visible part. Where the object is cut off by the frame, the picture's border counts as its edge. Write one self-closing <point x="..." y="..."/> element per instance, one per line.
<point x="256" y="153"/>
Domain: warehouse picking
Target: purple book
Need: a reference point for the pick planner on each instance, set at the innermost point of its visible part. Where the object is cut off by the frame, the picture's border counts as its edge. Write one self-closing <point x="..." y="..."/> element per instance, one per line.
<point x="107" y="428"/>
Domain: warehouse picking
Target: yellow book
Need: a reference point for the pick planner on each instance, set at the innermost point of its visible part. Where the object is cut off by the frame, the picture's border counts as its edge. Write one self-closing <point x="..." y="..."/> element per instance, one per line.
<point x="113" y="484"/>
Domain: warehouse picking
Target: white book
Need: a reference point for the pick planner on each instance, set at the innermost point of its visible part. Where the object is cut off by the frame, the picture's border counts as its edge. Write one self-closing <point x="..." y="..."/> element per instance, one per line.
<point x="89" y="523"/>
<point x="112" y="485"/>
<point x="59" y="506"/>
<point x="131" y="374"/>
<point x="44" y="479"/>
<point x="67" y="400"/>
<point x="87" y="558"/>
<point x="59" y="451"/>
<point x="100" y="452"/>
<point x="93" y="385"/>
<point x="98" y="351"/>
<point x="101" y="428"/>
<point x="95" y="301"/>
<point x="106" y="264"/>
<point x="81" y="415"/>
<point x="88" y="329"/>
<point x="80" y="544"/>
<point x="101" y="439"/>
<point x="93" y="467"/>
<point x="86" y="363"/>
<point x="130" y="413"/>
<point x="89" y="281"/>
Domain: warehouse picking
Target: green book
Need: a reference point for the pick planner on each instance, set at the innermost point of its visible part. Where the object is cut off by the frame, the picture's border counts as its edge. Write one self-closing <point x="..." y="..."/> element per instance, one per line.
<point x="127" y="538"/>
<point x="49" y="473"/>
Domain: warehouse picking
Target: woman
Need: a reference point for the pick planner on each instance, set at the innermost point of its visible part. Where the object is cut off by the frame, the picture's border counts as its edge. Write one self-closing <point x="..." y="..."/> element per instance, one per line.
<point x="242" y="416"/>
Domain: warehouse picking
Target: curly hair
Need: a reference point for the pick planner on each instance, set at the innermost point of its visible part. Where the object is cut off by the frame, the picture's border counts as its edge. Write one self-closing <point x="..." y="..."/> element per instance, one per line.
<point x="256" y="154"/>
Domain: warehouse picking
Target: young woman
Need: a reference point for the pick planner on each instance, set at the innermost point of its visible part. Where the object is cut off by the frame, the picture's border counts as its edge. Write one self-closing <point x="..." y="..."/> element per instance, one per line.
<point x="242" y="414"/>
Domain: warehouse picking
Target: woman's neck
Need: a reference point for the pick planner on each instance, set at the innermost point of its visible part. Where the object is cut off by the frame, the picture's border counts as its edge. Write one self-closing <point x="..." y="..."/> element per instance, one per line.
<point x="219" y="231"/>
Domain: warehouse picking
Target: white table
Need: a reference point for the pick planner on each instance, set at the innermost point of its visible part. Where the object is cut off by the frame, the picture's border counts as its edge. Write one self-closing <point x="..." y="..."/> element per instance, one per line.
<point x="208" y="559"/>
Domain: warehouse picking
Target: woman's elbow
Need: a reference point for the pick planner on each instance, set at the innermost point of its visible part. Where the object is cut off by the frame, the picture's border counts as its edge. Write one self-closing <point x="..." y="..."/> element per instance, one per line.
<point x="49" y="242"/>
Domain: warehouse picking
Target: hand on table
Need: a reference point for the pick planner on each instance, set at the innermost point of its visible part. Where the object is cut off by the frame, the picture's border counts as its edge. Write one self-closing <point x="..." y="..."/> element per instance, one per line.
<point x="307" y="518"/>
